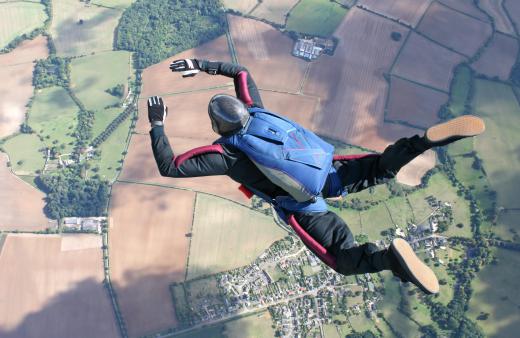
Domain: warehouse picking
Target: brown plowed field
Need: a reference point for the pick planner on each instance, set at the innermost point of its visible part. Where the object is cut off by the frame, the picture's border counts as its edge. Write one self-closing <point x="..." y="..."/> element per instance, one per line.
<point x="353" y="91"/>
<point x="426" y="62"/>
<point x="412" y="173"/>
<point x="148" y="252"/>
<point x="498" y="58"/>
<point x="466" y="6"/>
<point x="159" y="80"/>
<point x="414" y="104"/>
<point x="408" y="11"/>
<point x="495" y="9"/>
<point x="454" y="30"/>
<point x="513" y="8"/>
<point x="48" y="292"/>
<point x="299" y="108"/>
<point x="140" y="166"/>
<point x="267" y="54"/>
<point x="21" y="206"/>
<point x="16" y="69"/>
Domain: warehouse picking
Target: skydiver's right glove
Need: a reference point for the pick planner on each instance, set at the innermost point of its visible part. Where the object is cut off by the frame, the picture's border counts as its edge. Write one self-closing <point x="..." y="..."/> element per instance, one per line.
<point x="188" y="67"/>
<point x="157" y="111"/>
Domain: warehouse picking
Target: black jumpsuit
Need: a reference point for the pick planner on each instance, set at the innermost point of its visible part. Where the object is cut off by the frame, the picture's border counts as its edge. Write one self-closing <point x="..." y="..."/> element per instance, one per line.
<point x="326" y="228"/>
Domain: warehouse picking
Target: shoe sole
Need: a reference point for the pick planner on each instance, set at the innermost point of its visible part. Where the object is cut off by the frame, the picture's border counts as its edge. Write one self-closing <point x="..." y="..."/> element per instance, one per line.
<point x="463" y="126"/>
<point x="423" y="276"/>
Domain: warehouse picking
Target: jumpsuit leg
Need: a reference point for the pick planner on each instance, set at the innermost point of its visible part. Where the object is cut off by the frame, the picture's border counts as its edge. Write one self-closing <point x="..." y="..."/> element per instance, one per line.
<point x="333" y="234"/>
<point x="359" y="174"/>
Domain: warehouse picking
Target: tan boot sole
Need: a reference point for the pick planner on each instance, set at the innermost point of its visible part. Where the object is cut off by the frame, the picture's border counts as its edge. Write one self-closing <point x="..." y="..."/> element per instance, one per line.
<point x="424" y="277"/>
<point x="465" y="126"/>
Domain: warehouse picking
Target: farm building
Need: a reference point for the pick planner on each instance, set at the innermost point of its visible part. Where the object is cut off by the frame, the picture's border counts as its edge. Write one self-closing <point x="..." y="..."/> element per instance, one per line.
<point x="307" y="49"/>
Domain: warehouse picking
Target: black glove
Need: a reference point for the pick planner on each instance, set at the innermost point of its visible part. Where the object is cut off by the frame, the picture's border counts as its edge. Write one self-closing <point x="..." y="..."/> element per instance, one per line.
<point x="157" y="111"/>
<point x="188" y="67"/>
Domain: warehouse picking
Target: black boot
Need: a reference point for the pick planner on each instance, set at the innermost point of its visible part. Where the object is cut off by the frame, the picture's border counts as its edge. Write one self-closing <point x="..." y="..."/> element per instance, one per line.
<point x="409" y="268"/>
<point x="453" y="130"/>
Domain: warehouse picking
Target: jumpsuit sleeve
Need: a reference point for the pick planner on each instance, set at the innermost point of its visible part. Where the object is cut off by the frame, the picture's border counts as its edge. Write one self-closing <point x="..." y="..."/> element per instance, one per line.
<point x="245" y="87"/>
<point x="204" y="161"/>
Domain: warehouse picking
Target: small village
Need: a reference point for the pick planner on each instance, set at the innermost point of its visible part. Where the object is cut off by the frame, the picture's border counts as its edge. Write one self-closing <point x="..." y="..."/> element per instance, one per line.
<point x="300" y="292"/>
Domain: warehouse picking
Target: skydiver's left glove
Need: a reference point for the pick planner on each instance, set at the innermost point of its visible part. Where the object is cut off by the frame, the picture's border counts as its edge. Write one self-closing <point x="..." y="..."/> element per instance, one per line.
<point x="188" y="67"/>
<point x="157" y="111"/>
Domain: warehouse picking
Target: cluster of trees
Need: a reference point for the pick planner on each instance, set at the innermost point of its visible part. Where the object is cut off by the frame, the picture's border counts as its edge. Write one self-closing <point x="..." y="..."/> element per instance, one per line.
<point x="156" y="29"/>
<point x="112" y="126"/>
<point x="53" y="71"/>
<point x="366" y="334"/>
<point x="83" y="131"/>
<point x="69" y="195"/>
<point x="117" y="90"/>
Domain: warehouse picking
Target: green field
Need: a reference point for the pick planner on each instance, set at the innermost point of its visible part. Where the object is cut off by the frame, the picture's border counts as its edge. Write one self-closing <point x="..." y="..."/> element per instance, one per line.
<point x="460" y="88"/>
<point x="274" y="10"/>
<point x="112" y="152"/>
<point x="495" y="293"/>
<point x="508" y="227"/>
<point x="80" y="29"/>
<point x="53" y="116"/>
<point x="258" y="325"/>
<point x="25" y="153"/>
<point x="440" y="187"/>
<point x="17" y="18"/>
<point x="499" y="145"/>
<point x="316" y="17"/>
<point x="92" y="75"/>
<point x="102" y="119"/>
<point x="242" y="6"/>
<point x="375" y="220"/>
<point x="389" y="306"/>
<point x="351" y="217"/>
<point x="227" y="235"/>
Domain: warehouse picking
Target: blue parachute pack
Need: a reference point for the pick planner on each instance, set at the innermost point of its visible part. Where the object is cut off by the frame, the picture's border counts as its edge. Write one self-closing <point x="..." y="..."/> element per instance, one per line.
<point x="290" y="156"/>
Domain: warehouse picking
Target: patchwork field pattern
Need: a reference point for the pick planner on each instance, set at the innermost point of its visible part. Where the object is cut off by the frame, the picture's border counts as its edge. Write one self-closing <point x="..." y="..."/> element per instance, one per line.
<point x="408" y="11"/>
<point x="19" y="18"/>
<point x="53" y="289"/>
<point x="274" y="10"/>
<point x="267" y="54"/>
<point x="16" y="87"/>
<point x="414" y="104"/>
<point x="495" y="9"/>
<point x="454" y="30"/>
<point x="226" y="236"/>
<point x="498" y="58"/>
<point x="148" y="251"/>
<point x="427" y="63"/>
<point x="353" y="93"/>
<point x="21" y="206"/>
<point x="465" y="6"/>
<point x="79" y="29"/>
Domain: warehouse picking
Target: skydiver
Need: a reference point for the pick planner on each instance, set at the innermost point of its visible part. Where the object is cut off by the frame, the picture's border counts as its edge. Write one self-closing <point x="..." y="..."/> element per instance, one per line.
<point x="294" y="170"/>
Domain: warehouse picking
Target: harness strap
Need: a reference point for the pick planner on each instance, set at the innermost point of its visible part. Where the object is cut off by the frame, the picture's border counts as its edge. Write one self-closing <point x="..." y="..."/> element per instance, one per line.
<point x="215" y="148"/>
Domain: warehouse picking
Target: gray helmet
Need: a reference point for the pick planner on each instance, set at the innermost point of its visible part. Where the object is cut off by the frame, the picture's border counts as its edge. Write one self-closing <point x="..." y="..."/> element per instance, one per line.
<point x="227" y="113"/>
